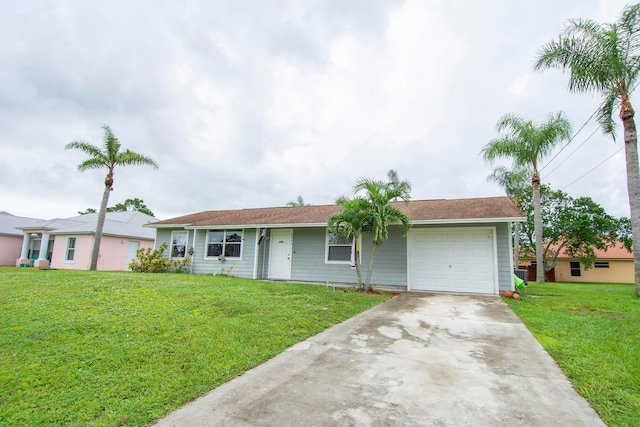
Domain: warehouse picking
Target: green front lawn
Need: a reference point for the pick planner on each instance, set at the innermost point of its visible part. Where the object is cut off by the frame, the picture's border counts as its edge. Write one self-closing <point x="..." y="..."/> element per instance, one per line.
<point x="593" y="332"/>
<point x="105" y="348"/>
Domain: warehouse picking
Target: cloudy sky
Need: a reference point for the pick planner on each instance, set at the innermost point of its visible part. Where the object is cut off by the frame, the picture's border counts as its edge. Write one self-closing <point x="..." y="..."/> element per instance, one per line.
<point x="252" y="103"/>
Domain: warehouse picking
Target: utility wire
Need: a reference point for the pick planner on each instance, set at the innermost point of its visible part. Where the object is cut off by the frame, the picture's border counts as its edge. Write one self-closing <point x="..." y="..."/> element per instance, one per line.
<point x="572" y="153"/>
<point x="572" y="138"/>
<point x="591" y="170"/>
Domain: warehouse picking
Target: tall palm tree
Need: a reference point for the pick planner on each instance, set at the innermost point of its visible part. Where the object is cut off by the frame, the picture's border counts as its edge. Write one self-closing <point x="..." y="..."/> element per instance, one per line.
<point x="514" y="183"/>
<point x="605" y="58"/>
<point x="395" y="182"/>
<point x="527" y="143"/>
<point x="108" y="158"/>
<point x="381" y="213"/>
<point x="349" y="224"/>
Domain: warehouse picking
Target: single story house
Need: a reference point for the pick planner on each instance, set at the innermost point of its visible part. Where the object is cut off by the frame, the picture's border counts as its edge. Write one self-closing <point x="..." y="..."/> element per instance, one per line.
<point x="615" y="265"/>
<point x="68" y="243"/>
<point x="454" y="245"/>
<point x="11" y="237"/>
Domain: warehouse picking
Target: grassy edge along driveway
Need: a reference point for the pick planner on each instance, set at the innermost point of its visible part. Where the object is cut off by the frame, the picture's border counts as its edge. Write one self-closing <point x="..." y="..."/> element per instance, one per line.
<point x="592" y="331"/>
<point x="110" y="348"/>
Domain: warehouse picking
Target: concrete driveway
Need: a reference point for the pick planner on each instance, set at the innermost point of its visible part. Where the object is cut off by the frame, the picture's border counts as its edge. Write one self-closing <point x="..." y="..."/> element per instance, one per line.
<point x="416" y="360"/>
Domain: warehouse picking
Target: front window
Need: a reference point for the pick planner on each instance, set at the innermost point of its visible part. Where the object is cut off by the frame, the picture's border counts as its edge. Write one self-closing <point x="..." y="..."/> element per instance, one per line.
<point x="224" y="244"/>
<point x="338" y="250"/>
<point x="71" y="249"/>
<point x="179" y="244"/>
<point x="575" y="268"/>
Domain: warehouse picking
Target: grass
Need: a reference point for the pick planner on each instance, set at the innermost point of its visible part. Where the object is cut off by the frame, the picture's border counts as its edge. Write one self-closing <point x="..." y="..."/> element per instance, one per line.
<point x="112" y="348"/>
<point x="592" y="330"/>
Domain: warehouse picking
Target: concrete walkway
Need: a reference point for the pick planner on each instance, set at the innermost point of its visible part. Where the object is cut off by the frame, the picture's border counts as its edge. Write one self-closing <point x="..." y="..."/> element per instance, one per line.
<point x="416" y="360"/>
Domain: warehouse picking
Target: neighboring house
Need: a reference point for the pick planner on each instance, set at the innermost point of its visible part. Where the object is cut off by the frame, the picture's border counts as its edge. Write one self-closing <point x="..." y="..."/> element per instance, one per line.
<point x="454" y="245"/>
<point x="11" y="237"/>
<point x="68" y="243"/>
<point x="615" y="265"/>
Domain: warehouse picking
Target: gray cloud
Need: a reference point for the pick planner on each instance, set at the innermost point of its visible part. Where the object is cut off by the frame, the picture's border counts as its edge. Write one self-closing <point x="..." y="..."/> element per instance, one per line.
<point x="248" y="104"/>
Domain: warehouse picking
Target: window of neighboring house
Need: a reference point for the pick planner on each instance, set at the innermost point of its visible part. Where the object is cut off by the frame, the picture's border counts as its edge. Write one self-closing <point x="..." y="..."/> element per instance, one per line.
<point x="70" y="254"/>
<point x="338" y="250"/>
<point x="179" y="244"/>
<point x="575" y="268"/>
<point x="34" y="251"/>
<point x="601" y="264"/>
<point x="224" y="244"/>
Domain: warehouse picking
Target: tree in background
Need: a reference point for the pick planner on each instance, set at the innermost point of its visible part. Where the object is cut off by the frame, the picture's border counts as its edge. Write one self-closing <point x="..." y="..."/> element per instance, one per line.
<point x="395" y="182"/>
<point x="349" y="224"/>
<point x="131" y="205"/>
<point x="108" y="158"/>
<point x="576" y="226"/>
<point x="381" y="213"/>
<point x="605" y="58"/>
<point x="298" y="202"/>
<point x="514" y="183"/>
<point x="127" y="206"/>
<point x="528" y="143"/>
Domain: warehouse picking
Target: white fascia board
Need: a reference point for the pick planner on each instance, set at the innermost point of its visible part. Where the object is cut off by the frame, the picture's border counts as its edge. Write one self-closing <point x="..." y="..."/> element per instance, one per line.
<point x="228" y="227"/>
<point x="467" y="221"/>
<point x="166" y="225"/>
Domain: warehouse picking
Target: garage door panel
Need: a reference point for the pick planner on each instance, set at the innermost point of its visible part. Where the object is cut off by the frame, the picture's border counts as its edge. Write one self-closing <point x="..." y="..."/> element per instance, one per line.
<point x="453" y="260"/>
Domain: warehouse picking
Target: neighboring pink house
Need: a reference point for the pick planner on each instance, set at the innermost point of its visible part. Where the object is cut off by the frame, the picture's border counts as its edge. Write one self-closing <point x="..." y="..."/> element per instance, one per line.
<point x="11" y="237"/>
<point x="67" y="243"/>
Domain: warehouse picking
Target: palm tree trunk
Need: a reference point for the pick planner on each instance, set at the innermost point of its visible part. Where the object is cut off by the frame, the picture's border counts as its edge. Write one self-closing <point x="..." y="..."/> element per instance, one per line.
<point x="633" y="184"/>
<point x="98" y="237"/>
<point x="367" y="283"/>
<point x="357" y="260"/>
<point x="537" y="224"/>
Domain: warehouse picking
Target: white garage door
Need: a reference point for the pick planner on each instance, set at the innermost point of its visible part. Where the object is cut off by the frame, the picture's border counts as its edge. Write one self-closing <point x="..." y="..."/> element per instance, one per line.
<point x="453" y="260"/>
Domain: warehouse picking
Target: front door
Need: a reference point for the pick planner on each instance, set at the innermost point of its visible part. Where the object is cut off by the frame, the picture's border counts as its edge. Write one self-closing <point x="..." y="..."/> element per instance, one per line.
<point x="280" y="252"/>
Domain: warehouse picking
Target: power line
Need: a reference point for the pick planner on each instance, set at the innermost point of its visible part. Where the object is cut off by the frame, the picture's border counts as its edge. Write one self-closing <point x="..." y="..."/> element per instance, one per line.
<point x="591" y="170"/>
<point x="572" y="138"/>
<point x="573" y="152"/>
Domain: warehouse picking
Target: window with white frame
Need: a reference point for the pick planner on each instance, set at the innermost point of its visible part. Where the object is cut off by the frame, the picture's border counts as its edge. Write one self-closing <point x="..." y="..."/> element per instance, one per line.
<point x="224" y="244"/>
<point x="338" y="250"/>
<point x="601" y="264"/>
<point x="179" y="244"/>
<point x="70" y="253"/>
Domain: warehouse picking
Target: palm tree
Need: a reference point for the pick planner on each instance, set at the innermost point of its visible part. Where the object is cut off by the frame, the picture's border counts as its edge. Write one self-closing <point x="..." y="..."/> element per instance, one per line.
<point x="298" y="202"/>
<point x="394" y="182"/>
<point x="527" y="143"/>
<point x="605" y="58"/>
<point x="381" y="214"/>
<point x="109" y="157"/>
<point x="514" y="183"/>
<point x="348" y="225"/>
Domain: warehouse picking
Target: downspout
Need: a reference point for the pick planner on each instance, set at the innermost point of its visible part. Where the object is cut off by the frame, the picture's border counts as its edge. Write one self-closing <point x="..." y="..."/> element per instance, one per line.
<point x="256" y="254"/>
<point x="193" y="250"/>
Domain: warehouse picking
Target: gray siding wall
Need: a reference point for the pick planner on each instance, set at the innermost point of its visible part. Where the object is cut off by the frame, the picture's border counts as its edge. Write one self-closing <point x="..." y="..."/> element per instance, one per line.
<point x="308" y="263"/>
<point x="308" y="260"/>
<point x="202" y="265"/>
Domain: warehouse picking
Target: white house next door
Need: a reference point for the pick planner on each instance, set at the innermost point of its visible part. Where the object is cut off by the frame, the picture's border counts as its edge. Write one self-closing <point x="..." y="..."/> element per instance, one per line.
<point x="280" y="251"/>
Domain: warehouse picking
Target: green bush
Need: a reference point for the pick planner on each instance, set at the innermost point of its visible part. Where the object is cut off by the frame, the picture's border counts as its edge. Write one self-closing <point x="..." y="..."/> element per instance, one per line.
<point x="180" y="265"/>
<point x="150" y="261"/>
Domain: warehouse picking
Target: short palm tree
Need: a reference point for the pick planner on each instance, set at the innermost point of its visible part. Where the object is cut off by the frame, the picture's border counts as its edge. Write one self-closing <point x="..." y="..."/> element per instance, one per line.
<point x="348" y="225"/>
<point x="381" y="213"/>
<point x="527" y="143"/>
<point x="605" y="58"/>
<point x="108" y="158"/>
<point x="514" y="183"/>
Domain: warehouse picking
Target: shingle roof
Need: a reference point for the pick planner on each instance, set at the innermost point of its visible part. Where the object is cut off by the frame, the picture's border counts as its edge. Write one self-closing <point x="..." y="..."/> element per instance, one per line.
<point x="615" y="252"/>
<point x="9" y="223"/>
<point x="489" y="208"/>
<point x="125" y="224"/>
